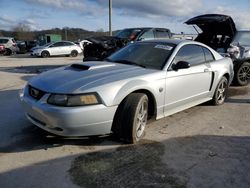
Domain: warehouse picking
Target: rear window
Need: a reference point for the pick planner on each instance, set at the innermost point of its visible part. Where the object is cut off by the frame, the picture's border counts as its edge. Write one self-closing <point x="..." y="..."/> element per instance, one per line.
<point x="127" y="33"/>
<point x="3" y="41"/>
<point x="161" y="34"/>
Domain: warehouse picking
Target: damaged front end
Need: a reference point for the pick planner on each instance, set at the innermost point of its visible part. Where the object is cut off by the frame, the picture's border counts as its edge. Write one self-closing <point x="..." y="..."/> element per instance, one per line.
<point x="103" y="46"/>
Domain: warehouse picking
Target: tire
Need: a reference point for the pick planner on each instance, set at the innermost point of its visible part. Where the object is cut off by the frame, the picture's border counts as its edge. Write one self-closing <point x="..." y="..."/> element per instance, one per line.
<point x="131" y="118"/>
<point x="45" y="54"/>
<point x="74" y="53"/>
<point x="220" y="92"/>
<point x="7" y="52"/>
<point x="242" y="74"/>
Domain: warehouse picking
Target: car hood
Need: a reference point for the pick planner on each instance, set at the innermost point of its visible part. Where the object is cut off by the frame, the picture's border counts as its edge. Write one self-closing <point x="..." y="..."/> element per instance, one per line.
<point x="214" y="23"/>
<point x="80" y="77"/>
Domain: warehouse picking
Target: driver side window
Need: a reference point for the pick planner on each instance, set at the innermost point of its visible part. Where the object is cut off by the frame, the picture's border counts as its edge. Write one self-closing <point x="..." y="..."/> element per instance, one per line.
<point x="190" y="53"/>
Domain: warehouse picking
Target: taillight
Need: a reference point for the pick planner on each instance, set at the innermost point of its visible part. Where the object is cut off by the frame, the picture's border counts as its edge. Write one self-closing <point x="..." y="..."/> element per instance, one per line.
<point x="14" y="44"/>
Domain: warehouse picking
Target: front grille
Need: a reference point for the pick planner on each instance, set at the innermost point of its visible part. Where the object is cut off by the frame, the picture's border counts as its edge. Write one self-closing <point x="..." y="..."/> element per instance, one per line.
<point x="36" y="93"/>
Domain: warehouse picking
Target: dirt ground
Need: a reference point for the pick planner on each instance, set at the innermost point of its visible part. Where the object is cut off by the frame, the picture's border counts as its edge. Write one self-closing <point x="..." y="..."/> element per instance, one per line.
<point x="205" y="146"/>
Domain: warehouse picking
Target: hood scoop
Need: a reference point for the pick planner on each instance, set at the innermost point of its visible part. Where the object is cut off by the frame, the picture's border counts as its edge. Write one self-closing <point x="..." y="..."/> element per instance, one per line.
<point x="81" y="67"/>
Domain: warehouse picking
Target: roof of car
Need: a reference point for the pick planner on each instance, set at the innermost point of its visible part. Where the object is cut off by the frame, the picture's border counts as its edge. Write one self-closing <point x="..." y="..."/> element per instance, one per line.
<point x="142" y="28"/>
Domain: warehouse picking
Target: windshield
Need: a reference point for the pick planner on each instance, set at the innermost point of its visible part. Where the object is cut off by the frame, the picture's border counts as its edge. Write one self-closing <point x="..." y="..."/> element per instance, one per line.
<point x="145" y="54"/>
<point x="48" y="44"/>
<point x="128" y="33"/>
<point x="243" y="37"/>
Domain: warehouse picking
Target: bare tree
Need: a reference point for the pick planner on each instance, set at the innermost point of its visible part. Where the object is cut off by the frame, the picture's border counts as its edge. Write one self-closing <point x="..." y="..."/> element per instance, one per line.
<point x="23" y="31"/>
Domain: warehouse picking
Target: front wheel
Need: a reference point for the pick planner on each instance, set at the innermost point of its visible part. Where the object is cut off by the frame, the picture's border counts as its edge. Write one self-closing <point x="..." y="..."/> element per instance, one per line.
<point x="131" y="118"/>
<point x="242" y="74"/>
<point x="45" y="54"/>
<point x="220" y="92"/>
<point x="74" y="53"/>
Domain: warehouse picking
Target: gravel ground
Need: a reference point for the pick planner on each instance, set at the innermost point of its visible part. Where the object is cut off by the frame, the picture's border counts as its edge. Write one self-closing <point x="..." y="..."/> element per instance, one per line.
<point x="205" y="146"/>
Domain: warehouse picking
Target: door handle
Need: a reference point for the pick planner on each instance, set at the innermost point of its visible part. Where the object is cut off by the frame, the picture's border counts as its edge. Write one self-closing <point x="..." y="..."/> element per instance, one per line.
<point x="206" y="70"/>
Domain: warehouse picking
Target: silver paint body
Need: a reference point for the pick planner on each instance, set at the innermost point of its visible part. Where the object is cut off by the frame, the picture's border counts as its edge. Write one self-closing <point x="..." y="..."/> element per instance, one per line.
<point x="173" y="91"/>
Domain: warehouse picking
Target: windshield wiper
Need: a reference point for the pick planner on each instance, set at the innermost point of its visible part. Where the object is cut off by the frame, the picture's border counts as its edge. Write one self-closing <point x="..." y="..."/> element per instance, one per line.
<point x="123" y="61"/>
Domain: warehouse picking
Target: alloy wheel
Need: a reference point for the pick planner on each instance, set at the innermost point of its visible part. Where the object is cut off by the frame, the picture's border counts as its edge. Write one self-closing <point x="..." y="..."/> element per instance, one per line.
<point x="141" y="119"/>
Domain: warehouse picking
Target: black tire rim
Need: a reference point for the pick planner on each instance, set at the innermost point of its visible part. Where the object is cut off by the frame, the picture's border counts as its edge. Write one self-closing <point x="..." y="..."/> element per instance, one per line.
<point x="244" y="73"/>
<point x="73" y="54"/>
<point x="221" y="92"/>
<point x="45" y="54"/>
<point x="141" y="119"/>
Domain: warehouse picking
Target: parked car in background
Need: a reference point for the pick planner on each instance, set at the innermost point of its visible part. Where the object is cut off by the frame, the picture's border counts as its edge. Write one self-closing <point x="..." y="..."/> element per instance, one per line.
<point x="82" y="43"/>
<point x="9" y="45"/>
<point x="220" y="33"/>
<point x="103" y="46"/>
<point x="22" y="47"/>
<point x="26" y="46"/>
<point x="57" y="49"/>
<point x="31" y="44"/>
<point x="144" y="79"/>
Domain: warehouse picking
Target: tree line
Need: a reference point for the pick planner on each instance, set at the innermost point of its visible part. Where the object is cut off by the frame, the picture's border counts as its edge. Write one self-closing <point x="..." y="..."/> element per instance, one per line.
<point x="71" y="34"/>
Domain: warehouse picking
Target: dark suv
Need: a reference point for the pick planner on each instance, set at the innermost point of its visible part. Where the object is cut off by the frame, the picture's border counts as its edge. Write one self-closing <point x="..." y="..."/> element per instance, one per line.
<point x="103" y="46"/>
<point x="219" y="32"/>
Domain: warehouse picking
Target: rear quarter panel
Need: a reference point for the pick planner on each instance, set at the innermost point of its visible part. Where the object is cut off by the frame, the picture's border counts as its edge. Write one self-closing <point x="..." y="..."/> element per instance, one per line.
<point x="220" y="68"/>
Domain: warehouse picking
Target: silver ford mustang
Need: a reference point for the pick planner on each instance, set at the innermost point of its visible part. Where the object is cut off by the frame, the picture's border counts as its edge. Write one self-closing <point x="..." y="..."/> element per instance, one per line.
<point x="118" y="95"/>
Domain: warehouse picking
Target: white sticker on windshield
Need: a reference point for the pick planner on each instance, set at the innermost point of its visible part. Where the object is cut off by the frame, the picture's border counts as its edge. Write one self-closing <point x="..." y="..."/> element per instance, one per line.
<point x="164" y="47"/>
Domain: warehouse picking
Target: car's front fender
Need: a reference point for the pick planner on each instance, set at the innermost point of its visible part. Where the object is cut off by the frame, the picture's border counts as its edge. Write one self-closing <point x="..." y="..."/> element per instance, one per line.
<point x="121" y="91"/>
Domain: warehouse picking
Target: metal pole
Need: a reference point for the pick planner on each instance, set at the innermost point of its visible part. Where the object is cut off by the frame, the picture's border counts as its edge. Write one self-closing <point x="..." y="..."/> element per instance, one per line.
<point x="110" y="17"/>
<point x="66" y="33"/>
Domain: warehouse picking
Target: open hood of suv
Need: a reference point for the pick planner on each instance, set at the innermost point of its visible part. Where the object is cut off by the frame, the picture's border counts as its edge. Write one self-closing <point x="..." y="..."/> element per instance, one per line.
<point x="214" y="23"/>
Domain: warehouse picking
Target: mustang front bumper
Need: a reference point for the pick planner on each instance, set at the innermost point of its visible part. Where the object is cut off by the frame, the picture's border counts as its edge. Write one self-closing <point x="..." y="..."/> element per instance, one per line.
<point x="68" y="121"/>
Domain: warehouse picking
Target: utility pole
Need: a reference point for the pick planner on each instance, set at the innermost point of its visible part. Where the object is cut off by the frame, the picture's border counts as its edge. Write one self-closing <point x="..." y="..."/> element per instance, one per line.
<point x="66" y="33"/>
<point x="110" y="17"/>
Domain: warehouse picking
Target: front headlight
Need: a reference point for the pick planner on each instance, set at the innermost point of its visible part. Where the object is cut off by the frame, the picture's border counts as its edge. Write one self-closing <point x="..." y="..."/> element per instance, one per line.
<point x="74" y="100"/>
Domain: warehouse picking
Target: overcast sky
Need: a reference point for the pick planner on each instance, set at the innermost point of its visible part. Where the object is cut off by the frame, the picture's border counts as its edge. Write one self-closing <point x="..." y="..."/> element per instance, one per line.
<point x="93" y="14"/>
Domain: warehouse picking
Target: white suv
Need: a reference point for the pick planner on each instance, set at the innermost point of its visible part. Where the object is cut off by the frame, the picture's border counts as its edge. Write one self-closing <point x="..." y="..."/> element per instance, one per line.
<point x="9" y="44"/>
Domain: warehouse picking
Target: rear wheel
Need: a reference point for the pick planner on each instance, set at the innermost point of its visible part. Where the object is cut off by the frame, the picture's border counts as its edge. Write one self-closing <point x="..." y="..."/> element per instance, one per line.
<point x="131" y="118"/>
<point x="45" y="54"/>
<point x="220" y="92"/>
<point x="74" y="53"/>
<point x="7" y="52"/>
<point x="242" y="74"/>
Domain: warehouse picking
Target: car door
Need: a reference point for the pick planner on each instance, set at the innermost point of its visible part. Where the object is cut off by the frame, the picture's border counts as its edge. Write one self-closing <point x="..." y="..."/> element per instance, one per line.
<point x="189" y="85"/>
<point x="68" y="47"/>
<point x="56" y="48"/>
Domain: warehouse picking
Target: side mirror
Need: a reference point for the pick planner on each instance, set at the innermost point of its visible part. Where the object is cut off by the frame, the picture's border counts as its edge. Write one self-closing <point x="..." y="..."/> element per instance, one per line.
<point x="181" y="65"/>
